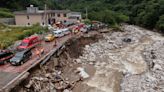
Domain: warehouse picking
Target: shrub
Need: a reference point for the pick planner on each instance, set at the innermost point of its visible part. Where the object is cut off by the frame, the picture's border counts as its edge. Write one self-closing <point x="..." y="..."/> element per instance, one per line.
<point x="4" y="14"/>
<point x="87" y="21"/>
<point x="18" y="33"/>
<point x="160" y="23"/>
<point x="5" y="43"/>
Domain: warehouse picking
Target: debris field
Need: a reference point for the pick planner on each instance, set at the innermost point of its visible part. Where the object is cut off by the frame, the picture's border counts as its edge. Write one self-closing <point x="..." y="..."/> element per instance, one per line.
<point x="128" y="61"/>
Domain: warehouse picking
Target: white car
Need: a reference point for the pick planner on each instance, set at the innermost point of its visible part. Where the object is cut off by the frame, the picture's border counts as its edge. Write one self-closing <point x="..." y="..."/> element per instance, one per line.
<point x="83" y="30"/>
<point x="58" y="33"/>
<point x="66" y="31"/>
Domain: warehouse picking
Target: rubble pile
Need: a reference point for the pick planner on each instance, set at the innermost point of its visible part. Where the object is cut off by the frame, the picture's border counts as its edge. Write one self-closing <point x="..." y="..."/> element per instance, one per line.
<point x="115" y="49"/>
<point x="124" y="59"/>
<point x="53" y="78"/>
<point x="153" y="79"/>
<point x="61" y="74"/>
<point x="128" y="61"/>
<point x="117" y="54"/>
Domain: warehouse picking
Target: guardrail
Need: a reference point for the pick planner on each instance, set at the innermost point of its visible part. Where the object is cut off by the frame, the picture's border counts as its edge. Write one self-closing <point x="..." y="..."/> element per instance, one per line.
<point x="42" y="61"/>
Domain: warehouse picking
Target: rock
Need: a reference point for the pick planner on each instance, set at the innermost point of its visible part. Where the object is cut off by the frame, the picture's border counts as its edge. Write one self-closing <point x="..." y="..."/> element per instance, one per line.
<point x="78" y="60"/>
<point x="29" y="84"/>
<point x="66" y="90"/>
<point x="82" y="73"/>
<point x="39" y="79"/>
<point x="127" y="39"/>
<point x="48" y="75"/>
<point x="149" y="81"/>
<point x="132" y="54"/>
<point x="157" y="67"/>
<point x="129" y="61"/>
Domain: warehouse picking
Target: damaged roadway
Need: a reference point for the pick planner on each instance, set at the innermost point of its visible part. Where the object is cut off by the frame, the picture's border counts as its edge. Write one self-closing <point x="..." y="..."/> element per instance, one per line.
<point x="128" y="61"/>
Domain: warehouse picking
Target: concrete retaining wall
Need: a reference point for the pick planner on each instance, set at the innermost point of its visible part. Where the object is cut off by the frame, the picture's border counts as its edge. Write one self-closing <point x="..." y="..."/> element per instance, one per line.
<point x="9" y="21"/>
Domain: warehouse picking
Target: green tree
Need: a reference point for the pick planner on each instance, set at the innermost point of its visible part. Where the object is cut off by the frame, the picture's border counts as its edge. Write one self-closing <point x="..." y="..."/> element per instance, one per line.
<point x="160" y="23"/>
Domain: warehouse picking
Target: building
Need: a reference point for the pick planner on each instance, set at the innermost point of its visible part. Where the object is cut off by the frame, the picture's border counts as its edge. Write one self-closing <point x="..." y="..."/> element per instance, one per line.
<point x="33" y="15"/>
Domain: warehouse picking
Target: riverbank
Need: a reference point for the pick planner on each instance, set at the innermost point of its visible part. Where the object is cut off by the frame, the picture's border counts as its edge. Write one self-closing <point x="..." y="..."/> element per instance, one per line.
<point x="114" y="62"/>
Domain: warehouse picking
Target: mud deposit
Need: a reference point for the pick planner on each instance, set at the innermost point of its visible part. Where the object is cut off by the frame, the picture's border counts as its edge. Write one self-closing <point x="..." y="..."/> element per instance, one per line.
<point x="129" y="61"/>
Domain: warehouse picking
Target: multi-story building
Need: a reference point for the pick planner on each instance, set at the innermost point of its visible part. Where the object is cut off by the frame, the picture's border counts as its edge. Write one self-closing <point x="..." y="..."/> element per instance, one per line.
<point x="33" y="15"/>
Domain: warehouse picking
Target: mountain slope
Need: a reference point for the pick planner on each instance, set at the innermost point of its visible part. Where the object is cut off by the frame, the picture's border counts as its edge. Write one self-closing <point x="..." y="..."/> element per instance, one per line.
<point x="147" y="13"/>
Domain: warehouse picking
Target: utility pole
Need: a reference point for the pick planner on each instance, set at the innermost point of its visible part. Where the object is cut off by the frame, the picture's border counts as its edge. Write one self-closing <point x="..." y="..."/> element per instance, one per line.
<point x="86" y="13"/>
<point x="45" y="14"/>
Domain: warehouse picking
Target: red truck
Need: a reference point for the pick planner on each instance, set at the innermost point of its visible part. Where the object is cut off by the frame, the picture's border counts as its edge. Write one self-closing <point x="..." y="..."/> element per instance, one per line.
<point x="29" y="42"/>
<point x="77" y="28"/>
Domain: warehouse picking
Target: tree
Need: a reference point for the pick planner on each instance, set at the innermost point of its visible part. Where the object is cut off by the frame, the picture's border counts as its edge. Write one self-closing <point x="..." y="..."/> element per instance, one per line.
<point x="141" y="12"/>
<point x="160" y="23"/>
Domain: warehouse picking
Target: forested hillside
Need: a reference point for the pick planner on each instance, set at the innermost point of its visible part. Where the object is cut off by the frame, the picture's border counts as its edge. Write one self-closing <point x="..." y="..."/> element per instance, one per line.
<point x="147" y="13"/>
<point x="22" y="4"/>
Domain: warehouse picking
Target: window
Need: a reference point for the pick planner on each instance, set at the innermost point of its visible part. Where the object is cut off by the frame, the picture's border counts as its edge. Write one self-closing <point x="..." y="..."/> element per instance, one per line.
<point x="53" y="14"/>
<point x="10" y="53"/>
<point x="58" y="15"/>
<point x="42" y="23"/>
<point x="72" y="17"/>
<point x="34" y="41"/>
<point x="3" y="55"/>
<point x="28" y="24"/>
<point x="78" y="18"/>
<point x="65" y="15"/>
<point x="24" y="44"/>
<point x="28" y="17"/>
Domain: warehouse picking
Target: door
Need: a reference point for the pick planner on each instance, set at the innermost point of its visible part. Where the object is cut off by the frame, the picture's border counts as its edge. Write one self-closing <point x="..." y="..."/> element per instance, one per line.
<point x="26" y="56"/>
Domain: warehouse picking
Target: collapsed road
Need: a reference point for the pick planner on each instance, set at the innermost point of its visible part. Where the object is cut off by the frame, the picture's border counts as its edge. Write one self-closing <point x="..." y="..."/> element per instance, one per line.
<point x="11" y="75"/>
<point x="128" y="61"/>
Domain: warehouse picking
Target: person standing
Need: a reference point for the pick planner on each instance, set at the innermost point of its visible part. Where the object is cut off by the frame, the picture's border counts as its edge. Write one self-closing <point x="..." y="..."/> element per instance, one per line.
<point x="55" y="43"/>
<point x="41" y="50"/>
<point x="37" y="52"/>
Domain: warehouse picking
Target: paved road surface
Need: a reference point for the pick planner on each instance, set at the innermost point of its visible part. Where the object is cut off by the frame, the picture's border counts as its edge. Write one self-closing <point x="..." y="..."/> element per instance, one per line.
<point x="9" y="72"/>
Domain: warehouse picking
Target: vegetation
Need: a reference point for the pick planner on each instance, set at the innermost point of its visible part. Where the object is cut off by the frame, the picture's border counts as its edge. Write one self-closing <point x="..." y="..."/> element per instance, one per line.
<point x="5" y="13"/>
<point x="22" y="4"/>
<point x="160" y="23"/>
<point x="8" y="35"/>
<point x="147" y="13"/>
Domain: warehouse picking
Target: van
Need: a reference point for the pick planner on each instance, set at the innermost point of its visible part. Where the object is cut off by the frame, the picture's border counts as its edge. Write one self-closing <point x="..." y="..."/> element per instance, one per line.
<point x="29" y="42"/>
<point x="21" y="57"/>
<point x="58" y="33"/>
<point x="66" y="31"/>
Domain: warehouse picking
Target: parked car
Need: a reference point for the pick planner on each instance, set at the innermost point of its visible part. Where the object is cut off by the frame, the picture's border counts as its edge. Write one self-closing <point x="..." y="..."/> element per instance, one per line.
<point x="78" y="28"/>
<point x="84" y="29"/>
<point x="5" y="56"/>
<point x="49" y="37"/>
<point x="75" y="29"/>
<point x="58" y="33"/>
<point x="21" y="57"/>
<point x="88" y="27"/>
<point x="29" y="42"/>
<point x="66" y="31"/>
